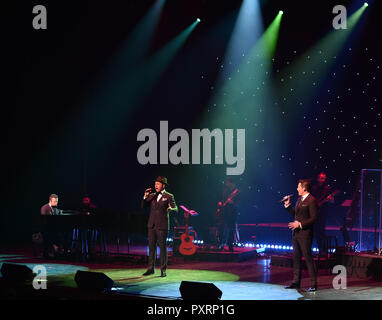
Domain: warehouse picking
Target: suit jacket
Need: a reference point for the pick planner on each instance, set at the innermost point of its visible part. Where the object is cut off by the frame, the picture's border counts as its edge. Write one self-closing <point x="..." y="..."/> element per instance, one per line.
<point x="306" y="213"/>
<point x="47" y="210"/>
<point x="159" y="217"/>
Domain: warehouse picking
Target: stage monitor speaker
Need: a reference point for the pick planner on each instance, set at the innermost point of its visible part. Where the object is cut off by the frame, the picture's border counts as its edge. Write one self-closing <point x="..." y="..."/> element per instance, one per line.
<point x="16" y="272"/>
<point x="94" y="281"/>
<point x="199" y="291"/>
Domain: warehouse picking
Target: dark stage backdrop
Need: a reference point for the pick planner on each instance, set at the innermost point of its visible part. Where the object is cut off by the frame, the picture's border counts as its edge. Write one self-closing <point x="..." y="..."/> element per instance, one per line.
<point x="79" y="92"/>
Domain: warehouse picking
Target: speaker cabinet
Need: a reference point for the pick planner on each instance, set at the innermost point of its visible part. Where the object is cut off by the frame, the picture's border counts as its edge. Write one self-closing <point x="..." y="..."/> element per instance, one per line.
<point x="199" y="291"/>
<point x="16" y="272"/>
<point x="94" y="281"/>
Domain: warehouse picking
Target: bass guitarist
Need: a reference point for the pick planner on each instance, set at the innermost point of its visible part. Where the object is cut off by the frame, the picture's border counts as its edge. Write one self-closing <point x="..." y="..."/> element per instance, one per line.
<point x="226" y="214"/>
<point x="324" y="194"/>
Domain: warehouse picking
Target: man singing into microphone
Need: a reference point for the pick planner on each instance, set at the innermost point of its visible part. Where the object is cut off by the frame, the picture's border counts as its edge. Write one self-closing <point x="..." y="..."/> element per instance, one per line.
<point x="305" y="215"/>
<point x="161" y="204"/>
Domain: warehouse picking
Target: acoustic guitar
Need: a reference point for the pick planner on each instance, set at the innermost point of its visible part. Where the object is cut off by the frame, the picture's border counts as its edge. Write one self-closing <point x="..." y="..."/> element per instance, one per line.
<point x="187" y="246"/>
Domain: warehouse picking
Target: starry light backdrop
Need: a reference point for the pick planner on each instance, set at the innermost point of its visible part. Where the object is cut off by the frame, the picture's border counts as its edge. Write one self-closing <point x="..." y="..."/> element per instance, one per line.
<point x="310" y="118"/>
<point x="307" y="105"/>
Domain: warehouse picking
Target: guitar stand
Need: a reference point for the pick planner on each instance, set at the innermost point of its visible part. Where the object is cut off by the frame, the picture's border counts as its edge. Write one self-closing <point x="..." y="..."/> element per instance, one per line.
<point x="187" y="247"/>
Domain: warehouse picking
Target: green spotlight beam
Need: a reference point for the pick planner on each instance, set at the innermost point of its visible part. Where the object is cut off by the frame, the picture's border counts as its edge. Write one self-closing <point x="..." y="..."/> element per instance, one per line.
<point x="335" y="40"/>
<point x="327" y="48"/>
<point x="123" y="95"/>
<point x="133" y="89"/>
<point x="138" y="41"/>
<point x="249" y="86"/>
<point x="252" y="91"/>
<point x="244" y="99"/>
<point x="134" y="48"/>
<point x="300" y="81"/>
<point x="109" y="93"/>
<point x="134" y="86"/>
<point x="164" y="56"/>
<point x="270" y="36"/>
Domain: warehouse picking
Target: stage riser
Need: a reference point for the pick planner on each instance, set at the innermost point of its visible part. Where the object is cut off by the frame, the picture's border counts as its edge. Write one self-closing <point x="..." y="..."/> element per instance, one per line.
<point x="218" y="256"/>
<point x="357" y="266"/>
<point x="287" y="262"/>
<point x="362" y="267"/>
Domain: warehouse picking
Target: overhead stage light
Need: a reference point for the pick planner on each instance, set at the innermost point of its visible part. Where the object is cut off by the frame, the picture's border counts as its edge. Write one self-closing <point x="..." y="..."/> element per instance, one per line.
<point x="198" y="20"/>
<point x="281" y="12"/>
<point x="365" y="4"/>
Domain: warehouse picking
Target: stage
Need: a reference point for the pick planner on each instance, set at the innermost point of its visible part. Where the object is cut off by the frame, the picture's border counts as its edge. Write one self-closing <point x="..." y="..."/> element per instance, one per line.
<point x="192" y="123"/>
<point x="255" y="278"/>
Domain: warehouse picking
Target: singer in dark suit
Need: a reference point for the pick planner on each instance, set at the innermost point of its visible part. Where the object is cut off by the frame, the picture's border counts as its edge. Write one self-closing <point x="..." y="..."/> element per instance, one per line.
<point x="305" y="215"/>
<point x="161" y="204"/>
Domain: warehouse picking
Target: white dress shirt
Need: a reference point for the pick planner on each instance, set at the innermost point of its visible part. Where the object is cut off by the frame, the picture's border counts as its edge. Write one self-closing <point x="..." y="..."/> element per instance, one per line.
<point x="160" y="195"/>
<point x="304" y="197"/>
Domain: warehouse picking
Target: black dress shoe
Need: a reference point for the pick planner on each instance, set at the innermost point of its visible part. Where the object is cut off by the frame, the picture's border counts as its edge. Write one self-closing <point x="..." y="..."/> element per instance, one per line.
<point x="148" y="272"/>
<point x="163" y="273"/>
<point x="293" y="286"/>
<point x="312" y="289"/>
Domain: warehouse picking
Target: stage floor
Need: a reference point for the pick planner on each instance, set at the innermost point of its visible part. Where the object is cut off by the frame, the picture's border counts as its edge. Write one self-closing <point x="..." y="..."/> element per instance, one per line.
<point x="252" y="279"/>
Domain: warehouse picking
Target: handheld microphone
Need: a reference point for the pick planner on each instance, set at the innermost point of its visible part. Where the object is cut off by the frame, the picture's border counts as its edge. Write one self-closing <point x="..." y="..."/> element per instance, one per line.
<point x="286" y="197"/>
<point x="148" y="190"/>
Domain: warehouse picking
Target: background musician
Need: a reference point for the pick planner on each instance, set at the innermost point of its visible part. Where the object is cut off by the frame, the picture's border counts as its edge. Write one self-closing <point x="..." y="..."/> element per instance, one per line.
<point x="321" y="191"/>
<point x="227" y="214"/>
<point x="87" y="207"/>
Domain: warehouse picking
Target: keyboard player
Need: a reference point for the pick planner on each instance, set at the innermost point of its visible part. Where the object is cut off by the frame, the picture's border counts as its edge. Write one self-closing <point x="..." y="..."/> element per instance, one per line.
<point x="52" y="240"/>
<point x="50" y="208"/>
